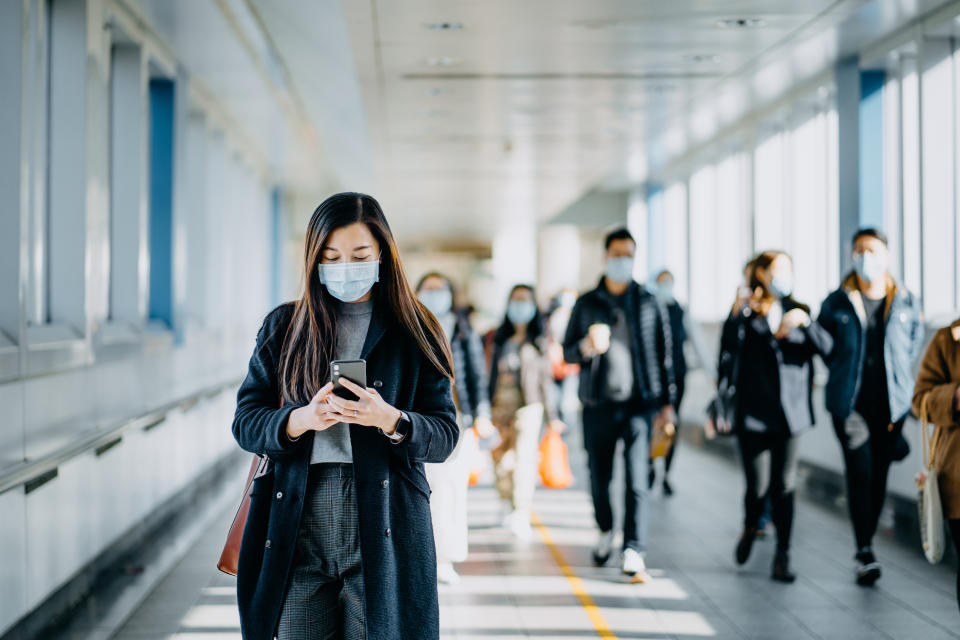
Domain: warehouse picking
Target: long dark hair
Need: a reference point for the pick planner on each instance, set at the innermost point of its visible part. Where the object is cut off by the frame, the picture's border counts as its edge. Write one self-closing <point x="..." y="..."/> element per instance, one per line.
<point x="308" y="347"/>
<point x="534" y="327"/>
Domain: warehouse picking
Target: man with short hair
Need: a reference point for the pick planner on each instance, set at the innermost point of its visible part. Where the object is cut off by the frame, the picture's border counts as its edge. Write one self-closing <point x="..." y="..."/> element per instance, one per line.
<point x="619" y="334"/>
<point x="877" y="333"/>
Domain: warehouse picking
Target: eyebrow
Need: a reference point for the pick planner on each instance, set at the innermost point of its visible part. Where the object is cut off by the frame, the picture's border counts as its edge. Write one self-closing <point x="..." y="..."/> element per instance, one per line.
<point x="360" y="248"/>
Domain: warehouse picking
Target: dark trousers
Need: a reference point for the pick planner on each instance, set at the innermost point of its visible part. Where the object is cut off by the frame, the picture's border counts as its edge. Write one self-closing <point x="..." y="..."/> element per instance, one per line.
<point x="867" y="454"/>
<point x="603" y="426"/>
<point x="324" y="599"/>
<point x="770" y="469"/>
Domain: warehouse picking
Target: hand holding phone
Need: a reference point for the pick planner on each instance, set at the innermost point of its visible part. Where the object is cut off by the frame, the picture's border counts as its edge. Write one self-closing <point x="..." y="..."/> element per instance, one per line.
<point x="353" y="370"/>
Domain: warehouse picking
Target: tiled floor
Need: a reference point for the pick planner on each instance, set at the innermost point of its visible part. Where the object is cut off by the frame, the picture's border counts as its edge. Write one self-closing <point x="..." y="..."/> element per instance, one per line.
<point x="514" y="589"/>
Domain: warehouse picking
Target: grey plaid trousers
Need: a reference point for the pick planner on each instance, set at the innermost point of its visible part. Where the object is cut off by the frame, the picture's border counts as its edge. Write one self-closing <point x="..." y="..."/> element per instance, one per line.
<point x="324" y="599"/>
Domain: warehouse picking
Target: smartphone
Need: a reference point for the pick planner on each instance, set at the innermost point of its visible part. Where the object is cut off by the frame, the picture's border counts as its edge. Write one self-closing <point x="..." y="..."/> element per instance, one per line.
<point x="353" y="370"/>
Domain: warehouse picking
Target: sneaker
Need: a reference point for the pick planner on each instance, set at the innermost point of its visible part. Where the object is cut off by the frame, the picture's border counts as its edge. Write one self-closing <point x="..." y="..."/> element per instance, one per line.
<point x="667" y="488"/>
<point x="745" y="545"/>
<point x="518" y="524"/>
<point x="603" y="548"/>
<point x="634" y="566"/>
<point x="446" y="574"/>
<point x="781" y="568"/>
<point x="869" y="570"/>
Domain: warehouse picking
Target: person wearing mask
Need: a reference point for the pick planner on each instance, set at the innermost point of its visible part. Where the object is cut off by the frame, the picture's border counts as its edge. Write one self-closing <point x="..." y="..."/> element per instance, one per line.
<point x="773" y="342"/>
<point x="521" y="388"/>
<point x="619" y="334"/>
<point x="877" y="333"/>
<point x="449" y="480"/>
<point x="678" y="330"/>
<point x="938" y="383"/>
<point x="338" y="541"/>
<point x="564" y="373"/>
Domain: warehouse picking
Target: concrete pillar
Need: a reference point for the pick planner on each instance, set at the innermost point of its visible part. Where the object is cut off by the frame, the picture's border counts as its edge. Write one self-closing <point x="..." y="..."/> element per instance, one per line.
<point x="848" y="111"/>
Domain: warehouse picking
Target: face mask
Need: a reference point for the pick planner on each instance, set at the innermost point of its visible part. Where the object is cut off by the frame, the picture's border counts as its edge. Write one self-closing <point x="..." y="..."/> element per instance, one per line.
<point x="620" y="269"/>
<point x="521" y="311"/>
<point x="439" y="301"/>
<point x="664" y="291"/>
<point x="869" y="266"/>
<point x="349" y="281"/>
<point x="781" y="286"/>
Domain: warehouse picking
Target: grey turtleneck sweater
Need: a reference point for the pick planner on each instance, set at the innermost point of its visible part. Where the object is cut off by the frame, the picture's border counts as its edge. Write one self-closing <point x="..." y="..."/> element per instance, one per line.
<point x="352" y="320"/>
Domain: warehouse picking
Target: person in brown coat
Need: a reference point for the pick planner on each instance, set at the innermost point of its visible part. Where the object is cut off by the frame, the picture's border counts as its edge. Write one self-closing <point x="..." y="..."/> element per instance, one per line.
<point x="939" y="377"/>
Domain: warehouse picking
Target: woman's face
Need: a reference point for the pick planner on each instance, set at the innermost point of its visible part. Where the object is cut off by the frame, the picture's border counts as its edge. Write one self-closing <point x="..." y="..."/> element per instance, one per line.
<point x="352" y="243"/>
<point x="433" y="283"/>
<point x="780" y="267"/>
<point x="521" y="295"/>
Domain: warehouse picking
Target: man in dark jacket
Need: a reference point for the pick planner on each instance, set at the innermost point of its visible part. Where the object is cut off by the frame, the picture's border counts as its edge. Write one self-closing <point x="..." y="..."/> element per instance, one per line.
<point x="620" y="335"/>
<point x="877" y="332"/>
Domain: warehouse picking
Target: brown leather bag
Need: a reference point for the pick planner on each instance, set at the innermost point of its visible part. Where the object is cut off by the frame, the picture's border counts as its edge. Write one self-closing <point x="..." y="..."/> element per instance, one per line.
<point x="230" y="556"/>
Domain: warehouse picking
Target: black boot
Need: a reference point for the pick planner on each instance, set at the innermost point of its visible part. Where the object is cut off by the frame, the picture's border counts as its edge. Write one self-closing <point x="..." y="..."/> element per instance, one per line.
<point x="667" y="488"/>
<point x="781" y="568"/>
<point x="745" y="545"/>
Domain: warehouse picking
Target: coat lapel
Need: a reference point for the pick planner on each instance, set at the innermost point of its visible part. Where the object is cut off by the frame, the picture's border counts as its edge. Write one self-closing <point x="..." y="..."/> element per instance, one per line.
<point x="378" y="326"/>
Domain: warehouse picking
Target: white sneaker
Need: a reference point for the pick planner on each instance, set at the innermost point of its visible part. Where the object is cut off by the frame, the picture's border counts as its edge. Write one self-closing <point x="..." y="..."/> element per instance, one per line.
<point x="446" y="574"/>
<point x="603" y="548"/>
<point x="519" y="525"/>
<point x="633" y="563"/>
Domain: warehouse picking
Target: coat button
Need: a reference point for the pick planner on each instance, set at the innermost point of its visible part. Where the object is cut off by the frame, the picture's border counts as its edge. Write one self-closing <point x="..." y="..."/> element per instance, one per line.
<point x="387" y="533"/>
<point x="377" y="384"/>
<point x="385" y="483"/>
<point x="267" y="544"/>
<point x="279" y="494"/>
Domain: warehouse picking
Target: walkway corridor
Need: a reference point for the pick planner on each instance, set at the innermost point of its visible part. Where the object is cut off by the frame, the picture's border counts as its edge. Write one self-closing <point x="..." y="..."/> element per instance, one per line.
<point x="547" y="588"/>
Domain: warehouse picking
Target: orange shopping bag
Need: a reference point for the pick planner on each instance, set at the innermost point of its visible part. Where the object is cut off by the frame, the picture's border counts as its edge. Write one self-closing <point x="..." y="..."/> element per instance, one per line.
<point x="554" y="466"/>
<point x="476" y="469"/>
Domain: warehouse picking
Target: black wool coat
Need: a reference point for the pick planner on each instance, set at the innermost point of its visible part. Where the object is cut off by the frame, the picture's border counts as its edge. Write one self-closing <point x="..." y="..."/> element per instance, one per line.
<point x="396" y="534"/>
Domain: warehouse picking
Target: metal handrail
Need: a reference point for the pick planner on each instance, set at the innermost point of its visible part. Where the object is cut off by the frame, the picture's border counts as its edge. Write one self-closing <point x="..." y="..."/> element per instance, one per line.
<point x="22" y="473"/>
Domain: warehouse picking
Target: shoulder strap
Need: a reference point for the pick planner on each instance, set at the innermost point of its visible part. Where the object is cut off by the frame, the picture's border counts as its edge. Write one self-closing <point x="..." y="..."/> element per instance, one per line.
<point x="929" y="443"/>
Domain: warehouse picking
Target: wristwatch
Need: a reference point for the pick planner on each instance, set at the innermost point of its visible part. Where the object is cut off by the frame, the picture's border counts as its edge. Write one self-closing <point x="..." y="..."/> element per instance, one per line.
<point x="400" y="432"/>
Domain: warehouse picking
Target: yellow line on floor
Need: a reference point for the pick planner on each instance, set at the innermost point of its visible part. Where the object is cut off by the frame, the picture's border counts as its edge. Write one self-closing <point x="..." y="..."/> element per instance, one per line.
<point x="576" y="584"/>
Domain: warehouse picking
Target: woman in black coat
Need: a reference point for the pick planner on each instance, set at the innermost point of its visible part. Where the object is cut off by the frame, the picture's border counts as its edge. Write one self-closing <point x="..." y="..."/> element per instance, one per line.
<point x="338" y="541"/>
<point x="767" y="352"/>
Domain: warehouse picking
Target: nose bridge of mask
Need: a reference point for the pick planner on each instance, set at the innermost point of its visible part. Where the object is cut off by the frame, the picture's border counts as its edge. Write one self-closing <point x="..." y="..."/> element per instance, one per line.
<point x="349" y="271"/>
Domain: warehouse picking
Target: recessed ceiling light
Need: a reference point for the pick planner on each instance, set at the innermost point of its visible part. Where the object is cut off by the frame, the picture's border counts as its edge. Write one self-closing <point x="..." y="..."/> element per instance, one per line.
<point x="441" y="61"/>
<point x="702" y="58"/>
<point x="433" y="91"/>
<point x="444" y="26"/>
<point x="741" y="23"/>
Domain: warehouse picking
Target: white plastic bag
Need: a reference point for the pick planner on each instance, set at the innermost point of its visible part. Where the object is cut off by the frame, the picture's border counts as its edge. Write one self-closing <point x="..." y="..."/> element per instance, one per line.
<point x="928" y="498"/>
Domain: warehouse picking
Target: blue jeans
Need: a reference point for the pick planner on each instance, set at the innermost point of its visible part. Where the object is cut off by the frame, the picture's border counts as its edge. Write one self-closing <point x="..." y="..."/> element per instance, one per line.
<point x="603" y="426"/>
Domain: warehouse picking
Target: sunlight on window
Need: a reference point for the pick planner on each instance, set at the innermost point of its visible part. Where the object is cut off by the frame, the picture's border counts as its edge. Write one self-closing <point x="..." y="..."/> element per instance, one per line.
<point x="768" y="193"/>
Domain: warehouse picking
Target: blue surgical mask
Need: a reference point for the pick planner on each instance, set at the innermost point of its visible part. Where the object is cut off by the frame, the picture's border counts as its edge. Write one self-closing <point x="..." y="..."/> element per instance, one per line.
<point x="349" y="281"/>
<point x="869" y="266"/>
<point x="439" y="301"/>
<point x="664" y="291"/>
<point x="620" y="269"/>
<point x="781" y="286"/>
<point x="521" y="311"/>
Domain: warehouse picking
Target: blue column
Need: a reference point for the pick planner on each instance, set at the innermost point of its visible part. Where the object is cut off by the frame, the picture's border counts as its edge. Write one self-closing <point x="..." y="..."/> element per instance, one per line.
<point x="848" y="182"/>
<point x="161" y="201"/>
<point x="871" y="148"/>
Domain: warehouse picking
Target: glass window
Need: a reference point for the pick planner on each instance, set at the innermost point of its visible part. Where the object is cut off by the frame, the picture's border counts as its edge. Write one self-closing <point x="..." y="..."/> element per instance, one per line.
<point x="937" y="208"/>
<point x="703" y="244"/>
<point x="910" y="127"/>
<point x="768" y="193"/>
<point x="675" y="232"/>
